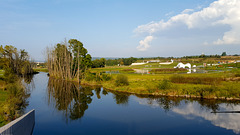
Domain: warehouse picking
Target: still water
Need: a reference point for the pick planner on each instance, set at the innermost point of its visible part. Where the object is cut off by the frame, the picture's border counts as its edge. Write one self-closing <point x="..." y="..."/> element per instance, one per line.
<point x="67" y="108"/>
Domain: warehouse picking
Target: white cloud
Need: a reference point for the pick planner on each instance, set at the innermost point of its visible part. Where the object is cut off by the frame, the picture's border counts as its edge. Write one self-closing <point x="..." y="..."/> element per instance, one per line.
<point x="217" y="15"/>
<point x="193" y="110"/>
<point x="187" y="11"/>
<point x="144" y="44"/>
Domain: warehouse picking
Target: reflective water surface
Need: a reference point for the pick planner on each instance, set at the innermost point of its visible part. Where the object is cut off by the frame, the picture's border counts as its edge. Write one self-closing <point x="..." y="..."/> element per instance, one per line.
<point x="67" y="108"/>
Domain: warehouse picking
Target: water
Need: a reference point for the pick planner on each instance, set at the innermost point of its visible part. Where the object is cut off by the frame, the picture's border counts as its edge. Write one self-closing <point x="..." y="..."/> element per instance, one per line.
<point x="67" y="108"/>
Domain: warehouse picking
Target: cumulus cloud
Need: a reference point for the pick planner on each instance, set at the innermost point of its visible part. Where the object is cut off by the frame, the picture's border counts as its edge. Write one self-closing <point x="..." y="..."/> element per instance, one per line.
<point x="144" y="44"/>
<point x="194" y="109"/>
<point x="217" y="15"/>
<point x="187" y="11"/>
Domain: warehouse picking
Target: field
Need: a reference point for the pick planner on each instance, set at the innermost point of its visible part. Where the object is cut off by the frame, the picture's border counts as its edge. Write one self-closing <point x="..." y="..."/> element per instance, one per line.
<point x="40" y="70"/>
<point x="219" y="82"/>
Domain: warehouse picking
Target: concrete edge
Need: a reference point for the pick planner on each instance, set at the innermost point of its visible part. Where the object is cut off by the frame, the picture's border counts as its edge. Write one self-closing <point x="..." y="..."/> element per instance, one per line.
<point x="2" y="129"/>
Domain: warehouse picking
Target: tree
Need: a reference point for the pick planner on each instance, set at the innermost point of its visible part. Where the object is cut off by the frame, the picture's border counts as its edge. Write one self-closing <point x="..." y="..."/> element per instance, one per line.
<point x="224" y="54"/>
<point x="97" y="63"/>
<point x="14" y="61"/>
<point x="68" y="60"/>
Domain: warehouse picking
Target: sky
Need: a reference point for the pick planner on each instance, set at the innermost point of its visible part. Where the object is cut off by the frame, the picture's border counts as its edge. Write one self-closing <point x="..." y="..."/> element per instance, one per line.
<point x="123" y="28"/>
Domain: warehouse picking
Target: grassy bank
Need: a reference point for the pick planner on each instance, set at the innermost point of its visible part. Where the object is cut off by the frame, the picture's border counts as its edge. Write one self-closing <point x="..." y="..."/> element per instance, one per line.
<point x="40" y="70"/>
<point x="3" y="100"/>
<point x="221" y="85"/>
<point x="12" y="99"/>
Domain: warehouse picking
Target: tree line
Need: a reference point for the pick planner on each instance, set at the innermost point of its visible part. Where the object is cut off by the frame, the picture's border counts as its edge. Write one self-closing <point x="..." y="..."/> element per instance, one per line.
<point x="14" y="62"/>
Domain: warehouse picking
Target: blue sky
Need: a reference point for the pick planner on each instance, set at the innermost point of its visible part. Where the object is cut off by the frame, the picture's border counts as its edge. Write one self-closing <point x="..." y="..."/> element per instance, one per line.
<point x="122" y="28"/>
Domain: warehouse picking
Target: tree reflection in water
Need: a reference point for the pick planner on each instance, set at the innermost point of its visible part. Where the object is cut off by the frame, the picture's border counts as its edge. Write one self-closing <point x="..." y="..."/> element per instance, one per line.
<point x="121" y="98"/>
<point x="168" y="103"/>
<point x="73" y="100"/>
<point x="69" y="97"/>
<point x="193" y="108"/>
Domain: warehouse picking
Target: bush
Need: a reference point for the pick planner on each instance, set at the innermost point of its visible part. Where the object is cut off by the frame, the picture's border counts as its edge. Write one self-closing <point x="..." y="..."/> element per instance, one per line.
<point x="106" y="77"/>
<point x="164" y="84"/>
<point x="97" y="77"/>
<point x="90" y="77"/>
<point x="121" y="80"/>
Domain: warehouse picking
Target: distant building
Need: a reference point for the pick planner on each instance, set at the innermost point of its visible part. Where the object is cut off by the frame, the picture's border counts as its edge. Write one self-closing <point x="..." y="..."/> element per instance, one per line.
<point x="153" y="61"/>
<point x="135" y="64"/>
<point x="181" y="65"/>
<point x="166" y="63"/>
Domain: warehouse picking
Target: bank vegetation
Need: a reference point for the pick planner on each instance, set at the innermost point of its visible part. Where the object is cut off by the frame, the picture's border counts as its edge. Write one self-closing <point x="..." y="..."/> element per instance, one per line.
<point x="14" y="65"/>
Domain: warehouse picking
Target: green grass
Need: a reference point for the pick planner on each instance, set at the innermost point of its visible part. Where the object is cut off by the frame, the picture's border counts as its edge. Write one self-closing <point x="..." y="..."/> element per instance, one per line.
<point x="220" y="81"/>
<point x="155" y="65"/>
<point x="3" y="96"/>
<point x="40" y="70"/>
<point x="207" y="85"/>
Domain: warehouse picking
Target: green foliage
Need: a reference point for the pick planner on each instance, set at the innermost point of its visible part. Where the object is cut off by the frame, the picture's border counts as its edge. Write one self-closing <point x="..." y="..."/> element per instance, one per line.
<point x="80" y="54"/>
<point x="3" y="96"/>
<point x="9" y="76"/>
<point x="236" y="72"/>
<point x="97" y="77"/>
<point x="106" y="77"/>
<point x="121" y="61"/>
<point x="14" y="90"/>
<point x="69" y="60"/>
<point x="151" y="87"/>
<point x="121" y="80"/>
<point x="90" y="76"/>
<point x="97" y="63"/>
<point x="111" y="62"/>
<point x="14" y="102"/>
<point x="224" y="54"/>
<point x="14" y="61"/>
<point x="164" y="84"/>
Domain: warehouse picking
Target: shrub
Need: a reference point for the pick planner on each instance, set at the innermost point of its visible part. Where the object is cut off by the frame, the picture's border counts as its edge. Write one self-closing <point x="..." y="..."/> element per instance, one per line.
<point x="97" y="77"/>
<point x="106" y="77"/>
<point x="90" y="76"/>
<point x="164" y="84"/>
<point x="121" y="80"/>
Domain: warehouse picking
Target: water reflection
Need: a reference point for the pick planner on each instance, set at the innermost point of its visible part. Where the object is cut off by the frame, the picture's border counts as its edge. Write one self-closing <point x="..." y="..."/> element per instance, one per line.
<point x="72" y="99"/>
<point x="121" y="98"/>
<point x="193" y="109"/>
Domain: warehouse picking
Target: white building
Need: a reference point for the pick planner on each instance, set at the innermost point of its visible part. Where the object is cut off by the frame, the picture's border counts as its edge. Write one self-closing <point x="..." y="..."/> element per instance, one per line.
<point x="181" y="65"/>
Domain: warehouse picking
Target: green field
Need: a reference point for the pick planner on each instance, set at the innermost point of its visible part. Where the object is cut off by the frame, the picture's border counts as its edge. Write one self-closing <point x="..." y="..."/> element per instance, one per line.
<point x="219" y="82"/>
<point x="40" y="70"/>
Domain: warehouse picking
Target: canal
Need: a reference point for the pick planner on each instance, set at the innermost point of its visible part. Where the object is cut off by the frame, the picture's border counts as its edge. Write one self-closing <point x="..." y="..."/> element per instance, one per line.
<point x="67" y="108"/>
